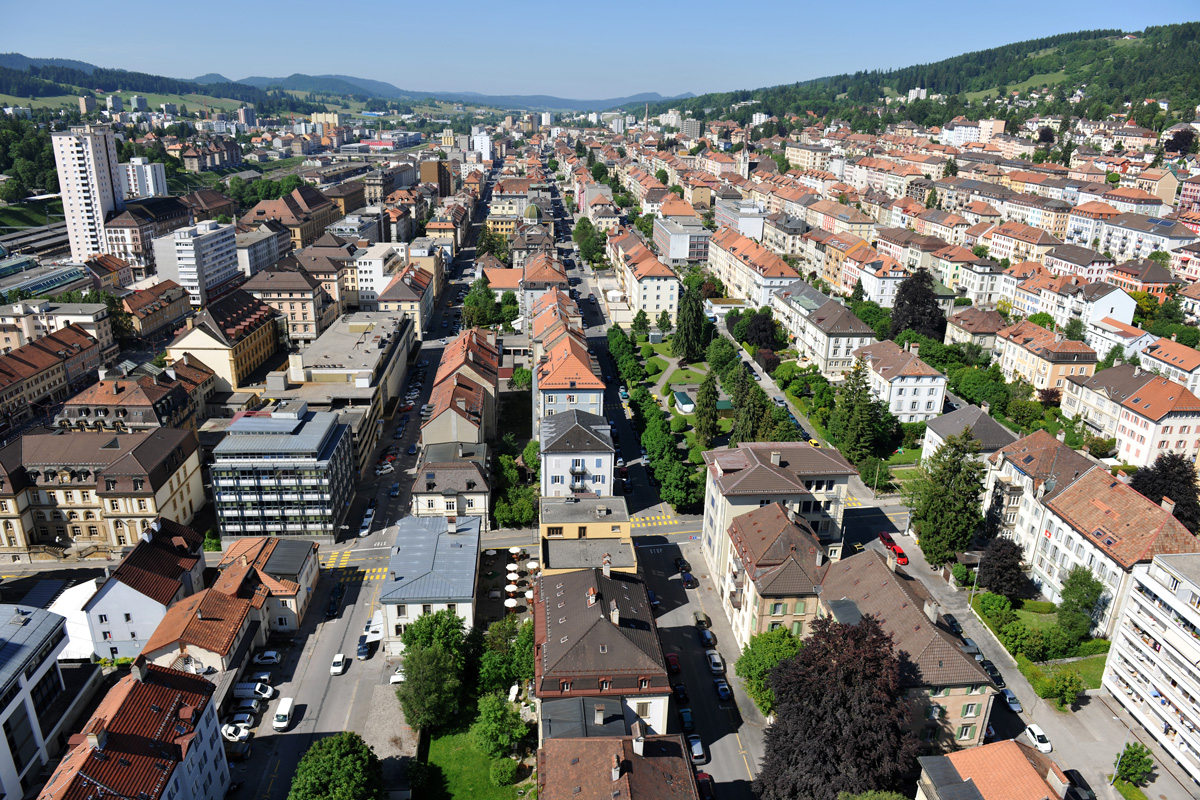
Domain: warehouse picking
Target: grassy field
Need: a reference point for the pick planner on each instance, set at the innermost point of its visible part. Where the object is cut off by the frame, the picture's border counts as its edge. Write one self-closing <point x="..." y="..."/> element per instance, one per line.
<point x="687" y="376"/>
<point x="30" y="215"/>
<point x="1037" y="622"/>
<point x="1091" y="668"/>
<point x="465" y="771"/>
<point x="1034" y="80"/>
<point x="1127" y="790"/>
<point x="194" y="102"/>
<point x="910" y="456"/>
<point x="663" y="349"/>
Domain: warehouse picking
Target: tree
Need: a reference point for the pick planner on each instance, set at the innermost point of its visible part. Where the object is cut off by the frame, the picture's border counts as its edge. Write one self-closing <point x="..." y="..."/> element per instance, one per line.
<point x="854" y="420"/>
<point x="664" y="322"/>
<point x="1043" y="320"/>
<point x="706" y="410"/>
<point x="1172" y="476"/>
<point x="662" y="177"/>
<point x="430" y="692"/>
<point x="858" y="295"/>
<point x="951" y="168"/>
<point x="687" y="343"/>
<point x="916" y="308"/>
<point x="1182" y="141"/>
<point x="641" y="323"/>
<point x="944" y="498"/>
<point x="931" y="201"/>
<point x="841" y="721"/>
<point x="521" y="379"/>
<point x="441" y="627"/>
<point x="338" y="767"/>
<point x="1135" y="763"/>
<point x="497" y="727"/>
<point x="532" y="457"/>
<point x="1079" y="603"/>
<point x="1000" y="568"/>
<point x="1074" y="330"/>
<point x="1066" y="686"/>
<point x="1161" y="257"/>
<point x="762" y="654"/>
<point x="762" y="331"/>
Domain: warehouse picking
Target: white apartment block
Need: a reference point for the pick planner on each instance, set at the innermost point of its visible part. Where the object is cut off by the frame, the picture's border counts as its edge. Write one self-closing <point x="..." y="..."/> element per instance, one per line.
<point x="141" y="177"/>
<point x="911" y="390"/>
<point x="373" y="271"/>
<point x="201" y="258"/>
<point x="88" y="178"/>
<point x="824" y="330"/>
<point x="1161" y="417"/>
<point x="1151" y="668"/>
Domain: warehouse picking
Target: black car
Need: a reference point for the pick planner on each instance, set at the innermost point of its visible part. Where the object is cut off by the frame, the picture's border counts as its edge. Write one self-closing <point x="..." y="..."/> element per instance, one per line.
<point x="689" y="581"/>
<point x="682" y="565"/>
<point x="680" y="692"/>
<point x="1079" y="787"/>
<point x="707" y="639"/>
<point x="993" y="673"/>
<point x="952" y="624"/>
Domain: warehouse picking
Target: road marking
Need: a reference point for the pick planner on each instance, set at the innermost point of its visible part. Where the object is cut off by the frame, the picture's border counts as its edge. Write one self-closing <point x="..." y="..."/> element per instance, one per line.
<point x="742" y="751"/>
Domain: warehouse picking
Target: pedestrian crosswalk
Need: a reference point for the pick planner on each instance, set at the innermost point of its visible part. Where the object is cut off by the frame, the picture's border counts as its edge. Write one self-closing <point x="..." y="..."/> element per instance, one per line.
<point x="354" y="574"/>
<point x="853" y="502"/>
<point x="654" y="520"/>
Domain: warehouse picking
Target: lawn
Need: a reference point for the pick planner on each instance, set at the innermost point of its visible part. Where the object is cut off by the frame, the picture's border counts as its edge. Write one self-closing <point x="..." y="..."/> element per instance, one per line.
<point x="30" y="215"/>
<point x="465" y="770"/>
<point x="1091" y="668"/>
<point x="1034" y="80"/>
<point x="686" y="376"/>
<point x="910" y="456"/>
<point x="282" y="163"/>
<point x="903" y="475"/>
<point x="1127" y="790"/>
<point x="655" y="360"/>
<point x="663" y="349"/>
<point x="1036" y="621"/>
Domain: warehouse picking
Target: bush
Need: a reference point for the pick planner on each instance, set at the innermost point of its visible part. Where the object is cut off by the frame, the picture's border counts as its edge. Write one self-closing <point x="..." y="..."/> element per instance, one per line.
<point x="912" y="431"/>
<point x="503" y="771"/>
<point x="993" y="604"/>
<point x="678" y="425"/>
<point x="419" y="775"/>
<point x="696" y="455"/>
<point x="1041" y="683"/>
<point x="962" y="575"/>
<point x="1093" y="647"/>
<point x="653" y="368"/>
<point x="1058" y="643"/>
<point x="1037" y="606"/>
<point x="671" y="400"/>
<point x="212" y="541"/>
<point x="647" y="351"/>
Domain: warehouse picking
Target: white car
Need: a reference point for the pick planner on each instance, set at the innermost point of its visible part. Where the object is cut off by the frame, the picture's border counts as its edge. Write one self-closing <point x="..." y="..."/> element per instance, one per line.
<point x="235" y="733"/>
<point x="382" y="469"/>
<point x="1012" y="701"/>
<point x="339" y="664"/>
<point x="1038" y="738"/>
<point x="398" y="675"/>
<point x="715" y="665"/>
<point x="240" y="719"/>
<point x="267" y="658"/>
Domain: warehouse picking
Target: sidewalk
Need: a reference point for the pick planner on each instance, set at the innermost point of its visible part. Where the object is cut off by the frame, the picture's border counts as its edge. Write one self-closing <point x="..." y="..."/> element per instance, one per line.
<point x="1087" y="739"/>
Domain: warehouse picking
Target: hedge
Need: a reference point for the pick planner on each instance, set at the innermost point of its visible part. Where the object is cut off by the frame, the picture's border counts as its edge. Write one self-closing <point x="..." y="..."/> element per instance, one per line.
<point x="502" y="772"/>
<point x="1093" y="647"/>
<point x="1038" y="607"/>
<point x="1039" y="680"/>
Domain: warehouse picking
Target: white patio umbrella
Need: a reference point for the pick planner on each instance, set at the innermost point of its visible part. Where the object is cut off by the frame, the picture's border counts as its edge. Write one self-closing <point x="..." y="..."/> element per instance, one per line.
<point x="532" y="565"/>
<point x="510" y="602"/>
<point x="514" y="550"/>
<point x="489" y="552"/>
<point x="512" y="587"/>
<point x="529" y="594"/>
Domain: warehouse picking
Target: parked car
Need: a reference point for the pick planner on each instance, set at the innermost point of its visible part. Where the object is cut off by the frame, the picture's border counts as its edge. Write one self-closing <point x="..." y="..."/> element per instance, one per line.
<point x="707" y="639"/>
<point x="685" y="719"/>
<point x="696" y="747"/>
<point x="993" y="673"/>
<point x="680" y="692"/>
<point x="682" y="565"/>
<point x="689" y="581"/>
<point x="672" y="663"/>
<point x="1013" y="702"/>
<point x="1038" y="738"/>
<point x="267" y="658"/>
<point x="1080" y="790"/>
<point x="260" y="677"/>
<point x="654" y="602"/>
<point x="953" y="624"/>
<point x="412" y="449"/>
<point x="701" y="619"/>
<point x="398" y="675"/>
<point x="248" y="705"/>
<point x="887" y="540"/>
<point x="901" y="556"/>
<point x="235" y="733"/>
<point x="384" y="469"/>
<point x="240" y="719"/>
<point x="722" y="688"/>
<point x="715" y="664"/>
<point x="704" y="782"/>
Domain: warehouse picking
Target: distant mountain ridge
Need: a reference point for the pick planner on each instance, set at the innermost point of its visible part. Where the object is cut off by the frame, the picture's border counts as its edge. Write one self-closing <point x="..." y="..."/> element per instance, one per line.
<point x="23" y="63"/>
<point x="212" y="77"/>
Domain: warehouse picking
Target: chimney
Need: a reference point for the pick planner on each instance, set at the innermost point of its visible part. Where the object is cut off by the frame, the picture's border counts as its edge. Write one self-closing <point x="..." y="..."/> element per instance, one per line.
<point x="1173" y="336"/>
<point x="891" y="560"/>
<point x="1061" y="435"/>
<point x="199" y="614"/>
<point x="820" y="557"/>
<point x="616" y="768"/>
<point x="1168" y="505"/>
<point x="591" y="596"/>
<point x="614" y="613"/>
<point x="97" y="738"/>
<point x="1118" y="362"/>
<point x="102" y="373"/>
<point x="244" y="560"/>
<point x="639" y="739"/>
<point x="930" y="610"/>
<point x="138" y="669"/>
<point x="775" y="457"/>
<point x="451" y="524"/>
<point x="985" y="407"/>
<point x="916" y="350"/>
<point x="598" y="714"/>
<point x="1056" y="780"/>
<point x="606" y="561"/>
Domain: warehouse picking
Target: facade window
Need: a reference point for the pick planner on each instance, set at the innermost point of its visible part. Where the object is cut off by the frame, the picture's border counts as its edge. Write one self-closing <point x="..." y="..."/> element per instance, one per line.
<point x="966" y="732"/>
<point x="401" y="611"/>
<point x="103" y="618"/>
<point x="426" y="609"/>
<point x="643" y="710"/>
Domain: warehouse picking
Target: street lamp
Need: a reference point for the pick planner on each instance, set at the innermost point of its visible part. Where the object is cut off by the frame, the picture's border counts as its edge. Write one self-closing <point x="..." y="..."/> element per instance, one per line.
<point x="1120" y="755"/>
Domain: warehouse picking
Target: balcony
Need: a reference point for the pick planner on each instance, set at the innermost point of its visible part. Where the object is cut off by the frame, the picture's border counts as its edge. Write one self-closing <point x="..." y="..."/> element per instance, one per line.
<point x="578" y="469"/>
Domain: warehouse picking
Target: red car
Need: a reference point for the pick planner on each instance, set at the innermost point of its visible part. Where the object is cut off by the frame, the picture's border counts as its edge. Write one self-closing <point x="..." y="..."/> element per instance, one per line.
<point x="887" y="540"/>
<point x="672" y="663"/>
<point x="407" y="407"/>
<point x="704" y="783"/>
<point x="901" y="559"/>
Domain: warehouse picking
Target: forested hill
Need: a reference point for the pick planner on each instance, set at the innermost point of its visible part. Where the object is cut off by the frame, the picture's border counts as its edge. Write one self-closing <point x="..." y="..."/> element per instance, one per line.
<point x="1159" y="63"/>
<point x="50" y="80"/>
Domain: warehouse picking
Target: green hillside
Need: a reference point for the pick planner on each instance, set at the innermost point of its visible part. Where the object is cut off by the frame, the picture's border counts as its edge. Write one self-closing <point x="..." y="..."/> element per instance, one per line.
<point x="1159" y="63"/>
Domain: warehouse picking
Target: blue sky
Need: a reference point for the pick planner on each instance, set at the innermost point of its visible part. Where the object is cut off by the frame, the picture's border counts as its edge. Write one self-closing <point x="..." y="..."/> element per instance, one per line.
<point x="569" y="49"/>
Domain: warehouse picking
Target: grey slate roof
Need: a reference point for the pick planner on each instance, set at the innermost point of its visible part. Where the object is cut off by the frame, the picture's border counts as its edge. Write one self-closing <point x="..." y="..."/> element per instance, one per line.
<point x="575" y="432"/>
<point x="288" y="557"/>
<point x="23" y="632"/>
<point x="587" y="553"/>
<point x="990" y="434"/>
<point x="833" y="317"/>
<point x="575" y="718"/>
<point x="748" y="468"/>
<point x="430" y="565"/>
<point x="803" y="295"/>
<point x="897" y="601"/>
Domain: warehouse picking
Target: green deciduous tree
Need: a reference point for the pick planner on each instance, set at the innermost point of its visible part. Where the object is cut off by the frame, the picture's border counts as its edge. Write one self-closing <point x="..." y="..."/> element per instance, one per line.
<point x="1043" y="320"/>
<point x="762" y="654"/>
<point x="841" y="721"/>
<point x="521" y="379"/>
<point x="664" y="322"/>
<point x="1135" y="763"/>
<point x="531" y="455"/>
<point x="432" y="682"/>
<point x="441" y="627"/>
<point x="1067" y="685"/>
<point x="641" y="323"/>
<point x="338" y="767"/>
<point x="1074" y="330"/>
<point x="1173" y="476"/>
<point x="1079" y="603"/>
<point x="944" y="498"/>
<point x="497" y="727"/>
